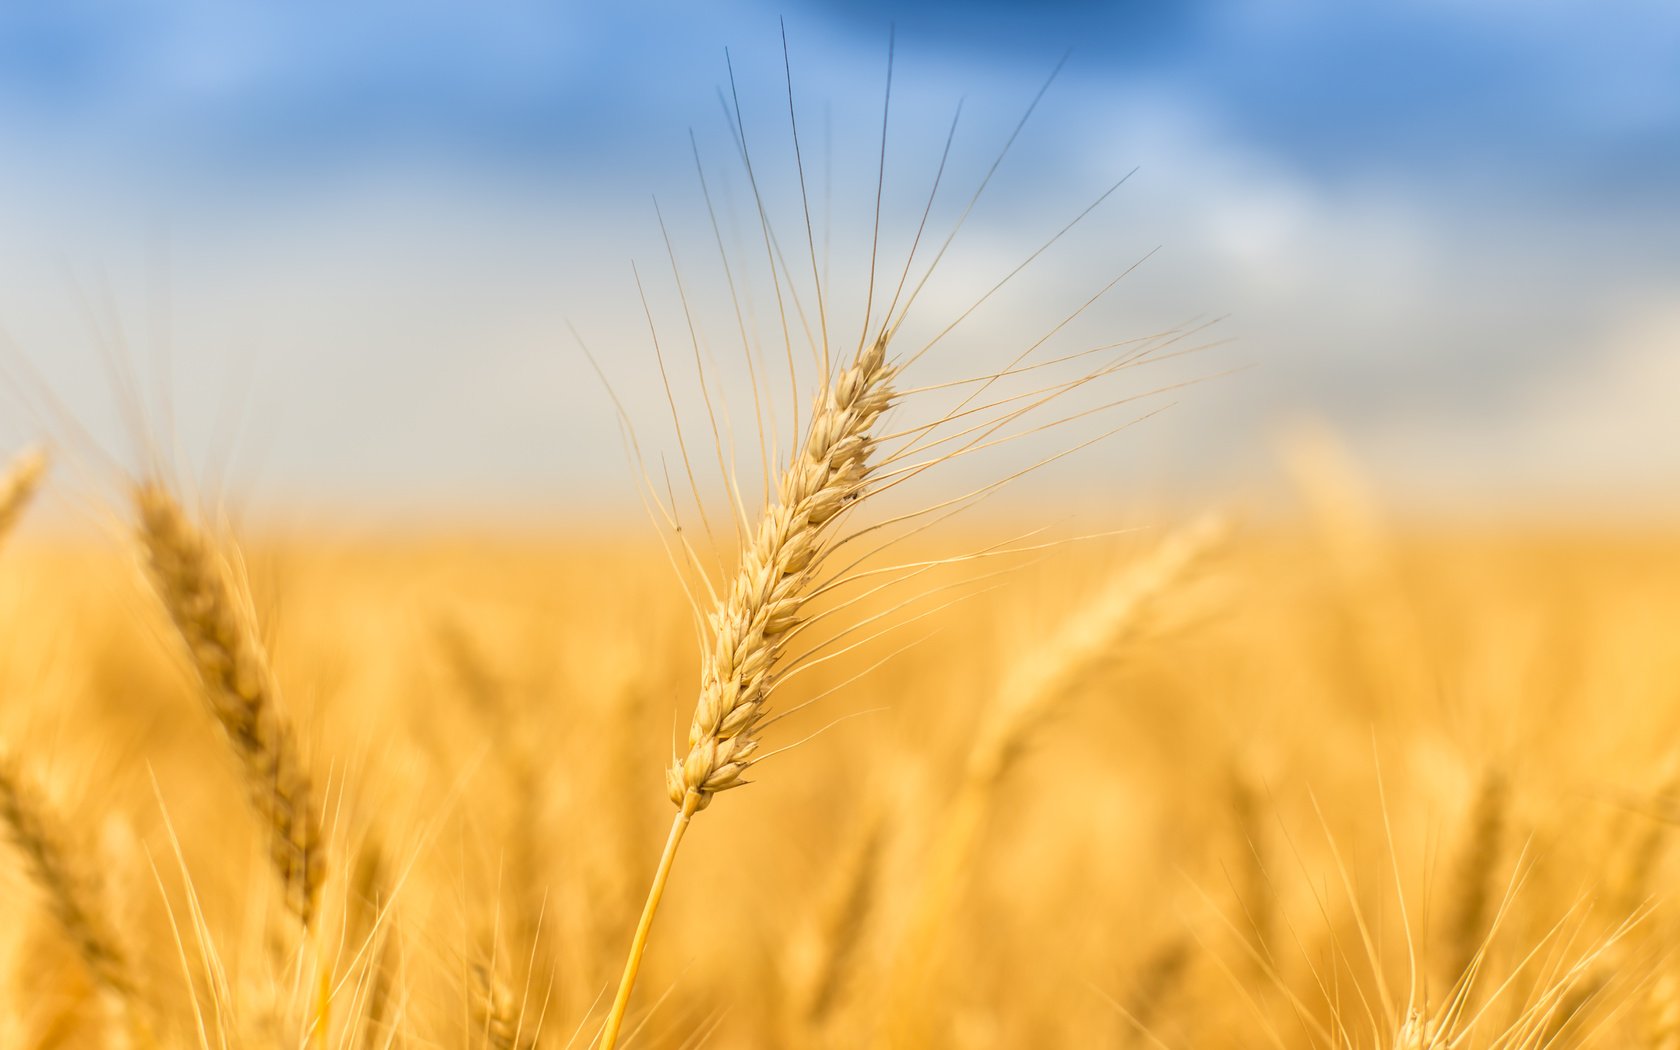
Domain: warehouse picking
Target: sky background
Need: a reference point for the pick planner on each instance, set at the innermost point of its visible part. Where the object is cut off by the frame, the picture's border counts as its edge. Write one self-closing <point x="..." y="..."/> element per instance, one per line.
<point x="341" y="248"/>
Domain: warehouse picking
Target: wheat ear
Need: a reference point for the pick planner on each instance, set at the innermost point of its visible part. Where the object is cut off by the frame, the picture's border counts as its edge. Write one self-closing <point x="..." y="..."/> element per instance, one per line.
<point x="74" y="900"/>
<point x="1085" y="640"/>
<point x="73" y="895"/>
<point x="1472" y="896"/>
<point x="1026" y="700"/>
<point x="205" y="595"/>
<point x="17" y="486"/>
<point x="750" y="626"/>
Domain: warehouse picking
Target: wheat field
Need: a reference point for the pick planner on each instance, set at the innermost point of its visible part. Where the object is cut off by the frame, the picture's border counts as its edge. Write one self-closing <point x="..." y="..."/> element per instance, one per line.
<point x="1321" y="781"/>
<point x="826" y="753"/>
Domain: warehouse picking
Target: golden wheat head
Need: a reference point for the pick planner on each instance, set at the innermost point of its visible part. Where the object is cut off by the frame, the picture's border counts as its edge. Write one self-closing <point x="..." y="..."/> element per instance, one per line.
<point x="766" y="601"/>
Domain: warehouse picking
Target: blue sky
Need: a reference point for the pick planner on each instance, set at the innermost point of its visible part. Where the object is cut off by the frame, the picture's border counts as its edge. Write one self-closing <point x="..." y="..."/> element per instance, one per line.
<point x="1449" y="230"/>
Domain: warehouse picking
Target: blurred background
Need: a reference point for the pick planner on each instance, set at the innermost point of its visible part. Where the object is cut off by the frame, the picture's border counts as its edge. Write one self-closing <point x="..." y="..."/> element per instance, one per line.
<point x="342" y="248"/>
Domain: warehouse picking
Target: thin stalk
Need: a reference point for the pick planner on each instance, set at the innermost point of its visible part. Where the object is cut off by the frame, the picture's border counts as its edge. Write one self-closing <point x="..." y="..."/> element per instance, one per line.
<point x="633" y="965"/>
<point x="322" y="1025"/>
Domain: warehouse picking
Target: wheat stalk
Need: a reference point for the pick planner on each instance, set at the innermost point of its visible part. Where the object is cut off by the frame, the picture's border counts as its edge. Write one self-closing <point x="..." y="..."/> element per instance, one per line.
<point x="752" y="621"/>
<point x="18" y="486"/>
<point x="205" y="595"/>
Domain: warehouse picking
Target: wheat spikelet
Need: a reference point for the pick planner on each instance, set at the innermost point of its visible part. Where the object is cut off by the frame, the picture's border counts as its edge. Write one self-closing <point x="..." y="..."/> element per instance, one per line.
<point x="18" y="485"/>
<point x="206" y="599"/>
<point x="72" y="894"/>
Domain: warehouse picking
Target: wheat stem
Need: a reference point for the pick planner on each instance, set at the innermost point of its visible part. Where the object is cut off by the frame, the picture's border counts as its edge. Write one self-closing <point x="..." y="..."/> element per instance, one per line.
<point x="638" y="944"/>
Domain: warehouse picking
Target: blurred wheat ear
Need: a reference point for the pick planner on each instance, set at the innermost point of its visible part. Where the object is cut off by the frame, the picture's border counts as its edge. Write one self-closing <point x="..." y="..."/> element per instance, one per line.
<point x="73" y="894"/>
<point x="204" y="593"/>
<point x="1026" y="698"/>
<point x="18" y="485"/>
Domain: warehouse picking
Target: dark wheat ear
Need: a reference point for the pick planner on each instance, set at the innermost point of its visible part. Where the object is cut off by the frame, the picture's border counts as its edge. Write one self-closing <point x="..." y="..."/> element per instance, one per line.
<point x="204" y="592"/>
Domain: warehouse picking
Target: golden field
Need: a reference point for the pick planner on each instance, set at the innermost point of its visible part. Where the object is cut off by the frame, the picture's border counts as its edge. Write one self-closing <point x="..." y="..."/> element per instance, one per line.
<point x="1310" y="780"/>
<point x="1181" y="742"/>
